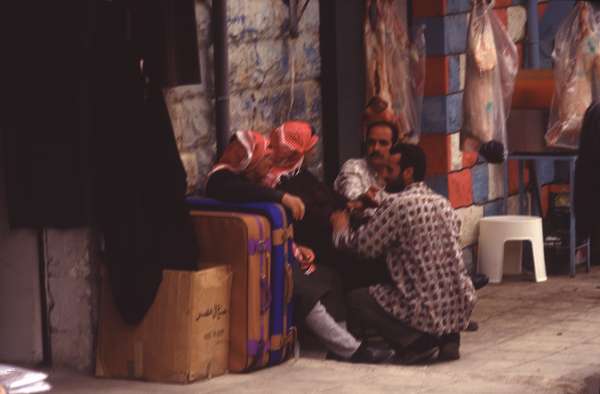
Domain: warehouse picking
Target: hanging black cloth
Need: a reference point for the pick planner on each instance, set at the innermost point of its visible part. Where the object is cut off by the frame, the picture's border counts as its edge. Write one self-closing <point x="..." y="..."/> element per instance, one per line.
<point x="140" y="183"/>
<point x="587" y="181"/>
<point x="87" y="134"/>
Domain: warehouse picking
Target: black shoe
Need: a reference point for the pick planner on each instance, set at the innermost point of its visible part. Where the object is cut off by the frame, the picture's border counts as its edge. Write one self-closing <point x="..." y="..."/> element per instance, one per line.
<point x="473" y="326"/>
<point x="492" y="151"/>
<point x="370" y="355"/>
<point x="479" y="280"/>
<point x="449" y="347"/>
<point x="422" y="356"/>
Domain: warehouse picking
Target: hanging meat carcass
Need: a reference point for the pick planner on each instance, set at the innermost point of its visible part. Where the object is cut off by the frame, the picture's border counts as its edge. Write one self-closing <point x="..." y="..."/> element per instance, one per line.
<point x="576" y="73"/>
<point x="492" y="65"/>
<point x="395" y="69"/>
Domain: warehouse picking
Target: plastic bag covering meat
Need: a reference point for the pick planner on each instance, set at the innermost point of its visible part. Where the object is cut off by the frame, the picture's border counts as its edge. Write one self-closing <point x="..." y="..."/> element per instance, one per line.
<point x="395" y="69"/>
<point x="492" y="66"/>
<point x="576" y="73"/>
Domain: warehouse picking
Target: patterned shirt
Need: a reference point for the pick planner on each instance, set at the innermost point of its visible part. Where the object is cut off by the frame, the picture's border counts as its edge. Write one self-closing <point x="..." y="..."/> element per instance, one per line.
<point x="417" y="231"/>
<point x="355" y="178"/>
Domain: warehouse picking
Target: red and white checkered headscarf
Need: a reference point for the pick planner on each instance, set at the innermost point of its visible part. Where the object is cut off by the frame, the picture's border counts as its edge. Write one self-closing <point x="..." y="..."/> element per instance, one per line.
<point x="289" y="142"/>
<point x="243" y="152"/>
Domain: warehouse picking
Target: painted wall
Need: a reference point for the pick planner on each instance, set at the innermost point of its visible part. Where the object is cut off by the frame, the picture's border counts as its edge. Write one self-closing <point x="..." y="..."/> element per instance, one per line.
<point x="473" y="186"/>
<point x="262" y="60"/>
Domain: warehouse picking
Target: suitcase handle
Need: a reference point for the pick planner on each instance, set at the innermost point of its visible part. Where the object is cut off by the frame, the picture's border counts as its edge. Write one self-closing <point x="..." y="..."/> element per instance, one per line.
<point x="289" y="283"/>
<point x="265" y="296"/>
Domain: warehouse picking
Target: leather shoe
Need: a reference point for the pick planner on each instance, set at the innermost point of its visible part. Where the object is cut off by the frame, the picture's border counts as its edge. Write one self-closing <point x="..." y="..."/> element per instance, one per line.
<point x="371" y="355"/>
<point x="479" y="280"/>
<point x="422" y="356"/>
<point x="449" y="347"/>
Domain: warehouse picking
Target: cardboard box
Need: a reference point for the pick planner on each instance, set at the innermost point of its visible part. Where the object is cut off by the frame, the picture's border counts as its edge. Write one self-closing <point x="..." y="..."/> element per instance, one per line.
<point x="183" y="337"/>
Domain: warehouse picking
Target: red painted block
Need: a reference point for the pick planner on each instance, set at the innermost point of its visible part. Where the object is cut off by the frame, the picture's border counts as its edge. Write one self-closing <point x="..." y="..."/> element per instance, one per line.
<point x="513" y="176"/>
<point x="542" y="7"/>
<point x="460" y="188"/>
<point x="437" y="151"/>
<point x="545" y="197"/>
<point x="429" y="8"/>
<point x="503" y="3"/>
<point x="502" y="14"/>
<point x="436" y="81"/>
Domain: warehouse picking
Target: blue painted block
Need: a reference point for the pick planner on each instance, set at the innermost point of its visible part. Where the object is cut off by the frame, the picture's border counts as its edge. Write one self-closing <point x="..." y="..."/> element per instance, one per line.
<point x="453" y="73"/>
<point x="480" y="177"/>
<point x="445" y="35"/>
<point x="438" y="184"/>
<point x="442" y="114"/>
<point x="458" y="6"/>
<point x="545" y="171"/>
<point x="493" y="208"/>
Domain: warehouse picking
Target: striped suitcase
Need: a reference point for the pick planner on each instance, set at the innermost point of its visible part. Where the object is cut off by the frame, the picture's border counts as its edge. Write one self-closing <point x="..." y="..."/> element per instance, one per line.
<point x="242" y="241"/>
<point x="282" y="328"/>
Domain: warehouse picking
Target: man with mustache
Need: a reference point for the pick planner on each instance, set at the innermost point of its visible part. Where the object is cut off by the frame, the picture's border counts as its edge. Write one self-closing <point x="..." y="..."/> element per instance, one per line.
<point x="364" y="177"/>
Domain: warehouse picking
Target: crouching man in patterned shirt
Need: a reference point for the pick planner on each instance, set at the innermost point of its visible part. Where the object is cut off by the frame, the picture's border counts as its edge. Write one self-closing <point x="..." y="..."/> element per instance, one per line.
<point x="417" y="231"/>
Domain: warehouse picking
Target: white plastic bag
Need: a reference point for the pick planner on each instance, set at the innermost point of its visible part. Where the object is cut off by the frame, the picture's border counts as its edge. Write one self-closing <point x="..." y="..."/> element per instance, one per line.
<point x="576" y="58"/>
<point x="492" y="66"/>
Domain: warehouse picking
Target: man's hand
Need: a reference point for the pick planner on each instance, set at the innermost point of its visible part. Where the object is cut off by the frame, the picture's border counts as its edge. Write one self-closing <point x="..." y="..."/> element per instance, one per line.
<point x="340" y="221"/>
<point x="355" y="205"/>
<point x="294" y="204"/>
<point x="306" y="254"/>
<point x="369" y="199"/>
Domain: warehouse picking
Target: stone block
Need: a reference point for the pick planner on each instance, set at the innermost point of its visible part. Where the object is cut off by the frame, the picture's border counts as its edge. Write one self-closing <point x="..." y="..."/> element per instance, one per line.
<point x="496" y="181"/>
<point x="460" y="190"/>
<point x="72" y="296"/>
<point x="436" y="148"/>
<point x="463" y="70"/>
<point x="517" y="20"/>
<point x="429" y="8"/>
<point x="438" y="184"/>
<point x="456" y="73"/>
<point x="191" y="111"/>
<point x="266" y="63"/>
<point x="442" y="113"/>
<point x="494" y="208"/>
<point x="264" y="109"/>
<point x="480" y="175"/>
<point x="253" y="20"/>
<point x="456" y="155"/>
<point x="469" y="217"/>
<point x="445" y="35"/>
<point x="458" y="6"/>
<point x="437" y="75"/>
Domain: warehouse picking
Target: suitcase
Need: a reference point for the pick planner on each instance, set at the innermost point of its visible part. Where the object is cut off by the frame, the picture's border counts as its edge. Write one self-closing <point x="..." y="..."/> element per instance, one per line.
<point x="282" y="328"/>
<point x="242" y="241"/>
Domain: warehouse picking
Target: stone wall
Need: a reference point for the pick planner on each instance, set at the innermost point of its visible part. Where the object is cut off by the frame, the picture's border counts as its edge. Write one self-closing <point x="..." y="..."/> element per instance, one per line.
<point x="262" y="59"/>
<point x="473" y="186"/>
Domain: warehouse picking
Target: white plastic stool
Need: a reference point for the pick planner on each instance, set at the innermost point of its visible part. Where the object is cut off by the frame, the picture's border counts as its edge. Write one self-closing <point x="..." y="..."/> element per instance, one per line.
<point x="495" y="231"/>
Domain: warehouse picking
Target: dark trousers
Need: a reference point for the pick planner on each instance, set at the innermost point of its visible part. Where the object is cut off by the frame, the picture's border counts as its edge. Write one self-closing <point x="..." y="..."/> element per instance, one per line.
<point x="365" y="312"/>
